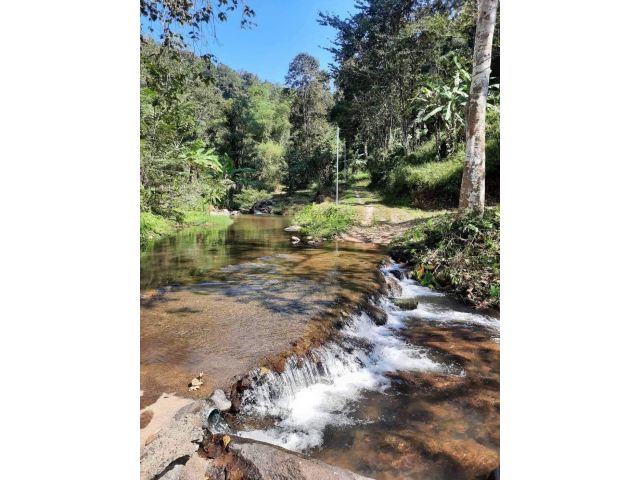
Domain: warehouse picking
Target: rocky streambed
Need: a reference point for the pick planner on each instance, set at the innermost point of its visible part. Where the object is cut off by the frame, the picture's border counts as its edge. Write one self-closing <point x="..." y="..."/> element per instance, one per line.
<point x="361" y="373"/>
<point x="405" y="387"/>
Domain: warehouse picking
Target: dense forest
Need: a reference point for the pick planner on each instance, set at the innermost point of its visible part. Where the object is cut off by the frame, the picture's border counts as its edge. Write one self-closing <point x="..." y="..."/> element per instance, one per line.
<point x="212" y="137"/>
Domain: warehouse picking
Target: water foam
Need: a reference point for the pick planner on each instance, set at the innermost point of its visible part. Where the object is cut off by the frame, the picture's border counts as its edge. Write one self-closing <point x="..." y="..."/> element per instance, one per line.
<point x="322" y="388"/>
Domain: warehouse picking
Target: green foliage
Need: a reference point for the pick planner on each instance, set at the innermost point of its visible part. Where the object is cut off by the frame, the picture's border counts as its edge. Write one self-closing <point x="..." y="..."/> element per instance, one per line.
<point x="359" y="176"/>
<point x="311" y="152"/>
<point x="325" y="220"/>
<point x="201" y="157"/>
<point x="199" y="218"/>
<point x="273" y="165"/>
<point x="181" y="22"/>
<point x="246" y="199"/>
<point x="152" y="227"/>
<point x="457" y="253"/>
<point x="442" y="106"/>
<point x="402" y="74"/>
<point x="431" y="184"/>
<point x="206" y="137"/>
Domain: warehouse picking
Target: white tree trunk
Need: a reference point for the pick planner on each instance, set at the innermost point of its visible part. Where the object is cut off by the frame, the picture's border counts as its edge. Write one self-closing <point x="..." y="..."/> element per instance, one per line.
<point x="472" y="190"/>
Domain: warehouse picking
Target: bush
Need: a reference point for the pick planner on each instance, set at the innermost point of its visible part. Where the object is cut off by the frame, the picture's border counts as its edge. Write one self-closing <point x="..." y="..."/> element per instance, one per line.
<point x="457" y="253"/>
<point x="426" y="183"/>
<point x="324" y="220"/>
<point x="245" y="200"/>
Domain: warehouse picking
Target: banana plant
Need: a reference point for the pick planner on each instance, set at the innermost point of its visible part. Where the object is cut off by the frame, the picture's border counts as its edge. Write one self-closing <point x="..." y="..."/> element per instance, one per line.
<point x="446" y="103"/>
<point x="199" y="156"/>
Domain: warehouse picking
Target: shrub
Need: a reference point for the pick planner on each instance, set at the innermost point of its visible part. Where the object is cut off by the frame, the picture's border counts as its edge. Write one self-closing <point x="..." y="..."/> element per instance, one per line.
<point x="245" y="200"/>
<point x="457" y="253"/>
<point x="325" y="219"/>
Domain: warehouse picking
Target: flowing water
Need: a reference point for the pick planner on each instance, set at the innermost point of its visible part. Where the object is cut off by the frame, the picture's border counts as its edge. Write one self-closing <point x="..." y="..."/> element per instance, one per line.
<point x="416" y="397"/>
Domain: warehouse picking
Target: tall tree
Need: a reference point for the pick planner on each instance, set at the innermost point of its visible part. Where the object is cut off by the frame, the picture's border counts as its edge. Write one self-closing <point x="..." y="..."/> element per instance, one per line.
<point x="472" y="190"/>
<point x="309" y="153"/>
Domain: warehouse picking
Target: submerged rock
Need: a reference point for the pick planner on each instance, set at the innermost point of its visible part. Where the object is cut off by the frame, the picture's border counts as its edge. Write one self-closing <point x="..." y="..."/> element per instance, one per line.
<point x="378" y="315"/>
<point x="295" y="239"/>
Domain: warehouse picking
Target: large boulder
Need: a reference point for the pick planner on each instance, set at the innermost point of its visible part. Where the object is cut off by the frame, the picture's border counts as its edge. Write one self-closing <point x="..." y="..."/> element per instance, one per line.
<point x="173" y="445"/>
<point x="240" y="458"/>
<point x="272" y="462"/>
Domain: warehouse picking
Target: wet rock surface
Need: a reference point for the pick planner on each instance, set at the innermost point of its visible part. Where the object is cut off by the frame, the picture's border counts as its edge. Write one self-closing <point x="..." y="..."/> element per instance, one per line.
<point x="220" y="401"/>
<point x="405" y="303"/>
<point x="377" y="314"/>
<point x="226" y="457"/>
<point x="264" y="207"/>
<point x="252" y="460"/>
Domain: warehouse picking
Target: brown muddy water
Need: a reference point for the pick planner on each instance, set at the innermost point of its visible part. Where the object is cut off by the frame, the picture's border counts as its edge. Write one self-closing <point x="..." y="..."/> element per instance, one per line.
<point x="415" y="398"/>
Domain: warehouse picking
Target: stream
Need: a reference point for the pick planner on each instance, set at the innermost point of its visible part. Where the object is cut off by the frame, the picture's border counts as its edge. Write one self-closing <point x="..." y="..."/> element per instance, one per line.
<point x="414" y="397"/>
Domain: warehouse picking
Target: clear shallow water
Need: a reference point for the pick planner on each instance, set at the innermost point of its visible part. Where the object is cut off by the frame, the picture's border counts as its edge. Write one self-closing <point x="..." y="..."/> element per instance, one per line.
<point x="240" y="295"/>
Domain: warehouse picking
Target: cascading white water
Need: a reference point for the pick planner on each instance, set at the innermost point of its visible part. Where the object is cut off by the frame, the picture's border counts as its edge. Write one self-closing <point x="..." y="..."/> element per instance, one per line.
<point x="318" y="390"/>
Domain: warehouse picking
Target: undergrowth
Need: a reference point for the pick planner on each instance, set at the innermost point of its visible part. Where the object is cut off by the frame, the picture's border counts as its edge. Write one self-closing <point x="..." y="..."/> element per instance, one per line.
<point x="456" y="253"/>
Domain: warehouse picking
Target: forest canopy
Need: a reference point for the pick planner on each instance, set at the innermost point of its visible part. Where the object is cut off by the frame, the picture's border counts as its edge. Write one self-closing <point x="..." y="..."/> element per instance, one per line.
<point x="397" y="90"/>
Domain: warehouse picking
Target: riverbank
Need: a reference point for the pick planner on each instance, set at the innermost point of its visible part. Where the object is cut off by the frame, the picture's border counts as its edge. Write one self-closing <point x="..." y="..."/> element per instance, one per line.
<point x="154" y="227"/>
<point x="456" y="253"/>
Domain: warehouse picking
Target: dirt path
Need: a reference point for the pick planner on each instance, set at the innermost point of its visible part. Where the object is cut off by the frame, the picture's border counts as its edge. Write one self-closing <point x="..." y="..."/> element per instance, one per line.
<point x="378" y="222"/>
<point x="367" y="220"/>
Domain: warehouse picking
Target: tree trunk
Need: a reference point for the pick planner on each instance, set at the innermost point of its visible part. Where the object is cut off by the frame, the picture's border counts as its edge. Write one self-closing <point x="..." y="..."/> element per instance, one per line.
<point x="472" y="190"/>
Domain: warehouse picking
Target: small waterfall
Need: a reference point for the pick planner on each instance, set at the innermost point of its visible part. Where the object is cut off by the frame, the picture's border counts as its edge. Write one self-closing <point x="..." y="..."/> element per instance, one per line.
<point x="319" y="389"/>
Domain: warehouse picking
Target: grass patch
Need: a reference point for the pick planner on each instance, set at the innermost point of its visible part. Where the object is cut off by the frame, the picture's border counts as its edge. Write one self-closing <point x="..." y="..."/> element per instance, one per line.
<point x="153" y="227"/>
<point x="197" y="218"/>
<point x="324" y="220"/>
<point x="456" y="253"/>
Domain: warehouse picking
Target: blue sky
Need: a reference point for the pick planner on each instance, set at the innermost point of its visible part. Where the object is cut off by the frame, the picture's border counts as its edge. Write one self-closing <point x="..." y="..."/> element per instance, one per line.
<point x="283" y="29"/>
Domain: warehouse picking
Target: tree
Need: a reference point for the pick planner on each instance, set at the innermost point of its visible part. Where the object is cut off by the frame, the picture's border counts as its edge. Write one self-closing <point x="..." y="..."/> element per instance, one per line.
<point x="472" y="190"/>
<point x="309" y="153"/>
<point x="179" y="18"/>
